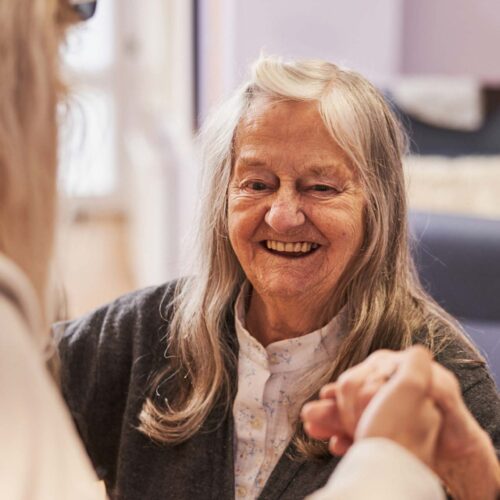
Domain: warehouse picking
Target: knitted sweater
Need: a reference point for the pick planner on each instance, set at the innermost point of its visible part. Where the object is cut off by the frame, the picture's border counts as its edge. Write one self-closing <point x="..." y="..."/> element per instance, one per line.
<point x="107" y="360"/>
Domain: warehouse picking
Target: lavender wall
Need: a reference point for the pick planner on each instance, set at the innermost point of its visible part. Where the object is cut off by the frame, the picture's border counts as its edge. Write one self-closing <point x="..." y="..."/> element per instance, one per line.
<point x="361" y="34"/>
<point x="380" y="38"/>
<point x="358" y="33"/>
<point x="453" y="37"/>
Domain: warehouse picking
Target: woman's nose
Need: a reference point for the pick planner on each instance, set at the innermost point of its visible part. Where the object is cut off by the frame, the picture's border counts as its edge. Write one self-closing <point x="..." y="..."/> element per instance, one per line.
<point x="285" y="214"/>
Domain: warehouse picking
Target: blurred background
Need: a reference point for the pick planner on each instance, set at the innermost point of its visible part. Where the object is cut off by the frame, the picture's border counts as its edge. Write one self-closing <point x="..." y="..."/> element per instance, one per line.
<point x="144" y="74"/>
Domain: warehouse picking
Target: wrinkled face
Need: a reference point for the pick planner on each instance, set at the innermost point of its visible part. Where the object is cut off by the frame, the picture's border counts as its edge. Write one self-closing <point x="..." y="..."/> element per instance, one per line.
<point x="295" y="207"/>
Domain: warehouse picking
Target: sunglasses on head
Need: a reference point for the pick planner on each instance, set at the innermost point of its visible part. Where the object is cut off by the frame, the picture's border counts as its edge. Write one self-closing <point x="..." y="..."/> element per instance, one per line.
<point x="84" y="8"/>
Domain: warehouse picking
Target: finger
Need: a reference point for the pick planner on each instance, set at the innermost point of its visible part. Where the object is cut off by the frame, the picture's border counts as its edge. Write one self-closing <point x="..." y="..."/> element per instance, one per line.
<point x="460" y="429"/>
<point x="402" y="409"/>
<point x="356" y="386"/>
<point x="412" y="381"/>
<point x="348" y="388"/>
<point x="403" y="392"/>
<point x="366" y="394"/>
<point x="339" y="444"/>
<point x="416" y="367"/>
<point x="382" y="362"/>
<point x="321" y="419"/>
<point x="445" y="389"/>
<point x="423" y="441"/>
<point x="328" y="391"/>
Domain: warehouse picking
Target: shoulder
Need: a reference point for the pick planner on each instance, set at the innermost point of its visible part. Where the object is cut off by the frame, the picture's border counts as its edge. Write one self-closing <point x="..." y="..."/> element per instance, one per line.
<point x="455" y="351"/>
<point x="101" y="347"/>
<point x="459" y="355"/>
<point x="106" y="359"/>
<point x="120" y="323"/>
<point x="148" y="304"/>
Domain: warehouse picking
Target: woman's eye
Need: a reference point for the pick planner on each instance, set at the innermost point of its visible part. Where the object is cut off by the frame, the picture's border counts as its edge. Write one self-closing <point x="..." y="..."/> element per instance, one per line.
<point x="323" y="188"/>
<point x="256" y="186"/>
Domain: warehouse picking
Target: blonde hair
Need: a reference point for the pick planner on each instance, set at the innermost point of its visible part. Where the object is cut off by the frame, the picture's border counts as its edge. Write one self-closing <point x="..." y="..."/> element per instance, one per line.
<point x="30" y="35"/>
<point x="385" y="305"/>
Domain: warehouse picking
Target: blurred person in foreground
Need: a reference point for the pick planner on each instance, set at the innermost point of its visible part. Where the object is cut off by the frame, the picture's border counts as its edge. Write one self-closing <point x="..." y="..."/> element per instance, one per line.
<point x="302" y="269"/>
<point x="394" y="418"/>
<point x="40" y="454"/>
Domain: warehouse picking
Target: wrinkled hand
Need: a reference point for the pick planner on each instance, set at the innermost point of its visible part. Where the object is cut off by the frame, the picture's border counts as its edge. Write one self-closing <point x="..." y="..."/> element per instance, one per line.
<point x="465" y="457"/>
<point x="397" y="395"/>
<point x="387" y="395"/>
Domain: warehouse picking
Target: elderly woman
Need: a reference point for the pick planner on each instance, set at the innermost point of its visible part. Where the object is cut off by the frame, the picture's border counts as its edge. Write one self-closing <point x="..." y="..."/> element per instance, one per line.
<point x="194" y="389"/>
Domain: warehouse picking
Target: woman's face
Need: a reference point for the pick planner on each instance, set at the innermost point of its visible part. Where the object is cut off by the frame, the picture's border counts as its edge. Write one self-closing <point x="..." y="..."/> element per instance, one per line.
<point x="295" y="207"/>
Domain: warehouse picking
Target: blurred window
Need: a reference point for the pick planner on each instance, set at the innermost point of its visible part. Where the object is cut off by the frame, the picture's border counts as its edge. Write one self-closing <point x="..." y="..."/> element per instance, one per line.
<point x="88" y="134"/>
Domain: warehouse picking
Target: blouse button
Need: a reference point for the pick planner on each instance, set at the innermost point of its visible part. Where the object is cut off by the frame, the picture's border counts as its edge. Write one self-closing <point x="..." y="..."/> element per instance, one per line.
<point x="274" y="359"/>
<point x="256" y="423"/>
<point x="241" y="492"/>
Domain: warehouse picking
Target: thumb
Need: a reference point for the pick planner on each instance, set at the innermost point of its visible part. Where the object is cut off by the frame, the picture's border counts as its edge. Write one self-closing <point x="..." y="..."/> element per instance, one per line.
<point x="402" y="410"/>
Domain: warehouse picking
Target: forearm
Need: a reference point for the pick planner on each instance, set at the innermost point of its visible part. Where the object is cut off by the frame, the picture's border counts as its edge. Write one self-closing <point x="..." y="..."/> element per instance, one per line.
<point x="474" y="476"/>
<point x="465" y="488"/>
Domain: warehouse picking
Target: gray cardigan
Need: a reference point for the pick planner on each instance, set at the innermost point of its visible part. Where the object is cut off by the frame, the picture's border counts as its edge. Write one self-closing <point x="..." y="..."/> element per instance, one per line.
<point x="107" y="359"/>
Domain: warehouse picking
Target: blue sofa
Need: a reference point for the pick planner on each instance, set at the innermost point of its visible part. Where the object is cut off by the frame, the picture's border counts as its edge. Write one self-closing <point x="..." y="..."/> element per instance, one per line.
<point x="458" y="260"/>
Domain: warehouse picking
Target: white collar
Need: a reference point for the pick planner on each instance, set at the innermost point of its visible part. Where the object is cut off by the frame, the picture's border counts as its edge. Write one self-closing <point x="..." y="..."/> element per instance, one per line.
<point x="301" y="352"/>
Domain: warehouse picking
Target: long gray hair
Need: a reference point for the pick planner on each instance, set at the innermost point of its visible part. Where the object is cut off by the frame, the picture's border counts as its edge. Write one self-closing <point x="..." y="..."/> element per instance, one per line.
<point x="384" y="303"/>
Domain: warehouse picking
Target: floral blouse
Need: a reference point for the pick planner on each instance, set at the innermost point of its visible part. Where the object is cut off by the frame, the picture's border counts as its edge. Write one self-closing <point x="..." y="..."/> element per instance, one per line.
<point x="272" y="382"/>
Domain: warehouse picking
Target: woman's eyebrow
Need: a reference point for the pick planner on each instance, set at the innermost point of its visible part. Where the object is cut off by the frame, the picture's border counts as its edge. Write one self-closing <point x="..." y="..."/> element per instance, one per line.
<point x="248" y="160"/>
<point x="328" y="169"/>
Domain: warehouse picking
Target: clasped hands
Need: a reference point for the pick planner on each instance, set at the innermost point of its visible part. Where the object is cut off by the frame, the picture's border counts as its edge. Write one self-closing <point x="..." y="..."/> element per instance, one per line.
<point x="407" y="397"/>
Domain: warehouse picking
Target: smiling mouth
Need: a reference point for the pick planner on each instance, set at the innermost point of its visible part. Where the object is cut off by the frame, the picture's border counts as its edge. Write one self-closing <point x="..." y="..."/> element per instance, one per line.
<point x="290" y="250"/>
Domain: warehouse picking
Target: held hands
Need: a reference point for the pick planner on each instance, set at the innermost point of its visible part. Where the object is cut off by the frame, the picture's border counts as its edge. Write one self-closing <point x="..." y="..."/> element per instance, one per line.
<point x="385" y="396"/>
<point x="408" y="398"/>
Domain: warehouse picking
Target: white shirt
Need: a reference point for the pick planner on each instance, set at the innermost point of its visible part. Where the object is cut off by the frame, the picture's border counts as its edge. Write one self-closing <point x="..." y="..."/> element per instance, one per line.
<point x="41" y="457"/>
<point x="272" y="382"/>
<point x="267" y="406"/>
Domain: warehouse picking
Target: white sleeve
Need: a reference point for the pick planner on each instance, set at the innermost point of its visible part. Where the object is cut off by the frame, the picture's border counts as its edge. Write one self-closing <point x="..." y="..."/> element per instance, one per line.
<point x="41" y="457"/>
<point x="380" y="469"/>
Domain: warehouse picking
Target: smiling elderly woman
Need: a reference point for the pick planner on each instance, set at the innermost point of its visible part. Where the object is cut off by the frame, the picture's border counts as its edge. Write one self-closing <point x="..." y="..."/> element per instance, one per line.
<point x="193" y="389"/>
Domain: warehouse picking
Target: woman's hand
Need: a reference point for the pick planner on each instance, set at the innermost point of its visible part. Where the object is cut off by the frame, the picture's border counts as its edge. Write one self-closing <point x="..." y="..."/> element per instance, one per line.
<point x="396" y="395"/>
<point x="402" y="410"/>
<point x="465" y="457"/>
<point x="361" y="404"/>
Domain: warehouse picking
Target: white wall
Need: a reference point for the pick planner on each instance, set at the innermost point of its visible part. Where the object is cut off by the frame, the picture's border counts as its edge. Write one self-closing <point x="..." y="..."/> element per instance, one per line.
<point x="157" y="112"/>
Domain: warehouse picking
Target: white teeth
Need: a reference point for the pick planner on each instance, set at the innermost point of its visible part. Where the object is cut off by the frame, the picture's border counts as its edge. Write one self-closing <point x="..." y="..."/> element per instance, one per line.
<point x="297" y="247"/>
